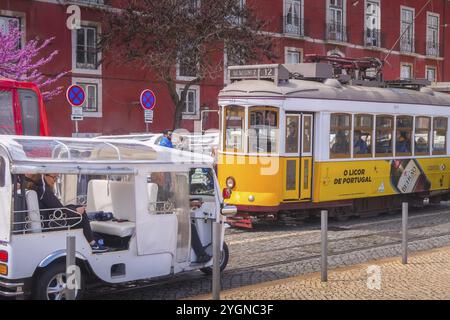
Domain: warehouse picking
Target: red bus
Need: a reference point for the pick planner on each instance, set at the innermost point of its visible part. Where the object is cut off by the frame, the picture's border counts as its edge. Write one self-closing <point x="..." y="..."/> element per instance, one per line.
<point x="22" y="110"/>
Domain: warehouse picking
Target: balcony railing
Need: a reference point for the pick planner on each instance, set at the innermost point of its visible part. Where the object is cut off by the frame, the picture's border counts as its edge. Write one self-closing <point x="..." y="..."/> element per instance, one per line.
<point x="372" y="38"/>
<point x="433" y="49"/>
<point x="293" y="25"/>
<point x="335" y="32"/>
<point x="407" y="45"/>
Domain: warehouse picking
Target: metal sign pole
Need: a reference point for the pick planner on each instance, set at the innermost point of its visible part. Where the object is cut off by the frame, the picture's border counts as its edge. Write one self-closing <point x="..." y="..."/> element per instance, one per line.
<point x="70" y="263"/>
<point x="146" y="127"/>
<point x="405" y="232"/>
<point x="324" y="246"/>
<point x="76" y="128"/>
<point x="216" y="260"/>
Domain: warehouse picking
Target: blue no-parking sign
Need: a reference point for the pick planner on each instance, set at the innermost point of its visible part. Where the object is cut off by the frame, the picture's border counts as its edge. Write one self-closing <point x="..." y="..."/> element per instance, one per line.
<point x="75" y="95"/>
<point x="148" y="99"/>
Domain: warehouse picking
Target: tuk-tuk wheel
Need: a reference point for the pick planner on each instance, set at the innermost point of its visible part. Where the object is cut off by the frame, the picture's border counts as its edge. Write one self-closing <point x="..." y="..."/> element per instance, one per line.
<point x="51" y="284"/>
<point x="223" y="261"/>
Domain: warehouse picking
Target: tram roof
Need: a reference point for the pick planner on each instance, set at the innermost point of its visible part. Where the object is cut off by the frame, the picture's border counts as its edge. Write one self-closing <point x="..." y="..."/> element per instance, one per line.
<point x="85" y="150"/>
<point x="331" y="89"/>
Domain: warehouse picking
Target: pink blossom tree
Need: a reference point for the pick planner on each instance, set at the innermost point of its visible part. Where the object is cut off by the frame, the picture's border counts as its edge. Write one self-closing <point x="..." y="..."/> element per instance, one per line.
<point x="22" y="63"/>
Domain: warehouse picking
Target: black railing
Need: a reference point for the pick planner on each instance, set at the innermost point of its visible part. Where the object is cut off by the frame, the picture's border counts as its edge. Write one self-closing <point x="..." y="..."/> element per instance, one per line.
<point x="293" y="25"/>
<point x="407" y="45"/>
<point x="335" y="32"/>
<point x="432" y="49"/>
<point x="372" y="38"/>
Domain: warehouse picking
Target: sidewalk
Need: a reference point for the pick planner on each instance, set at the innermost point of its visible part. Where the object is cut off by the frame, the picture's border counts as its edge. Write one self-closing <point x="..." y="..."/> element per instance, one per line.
<point x="426" y="276"/>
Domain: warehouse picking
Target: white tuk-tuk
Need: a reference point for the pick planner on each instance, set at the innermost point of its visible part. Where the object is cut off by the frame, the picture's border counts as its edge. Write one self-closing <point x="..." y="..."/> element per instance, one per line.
<point x="147" y="189"/>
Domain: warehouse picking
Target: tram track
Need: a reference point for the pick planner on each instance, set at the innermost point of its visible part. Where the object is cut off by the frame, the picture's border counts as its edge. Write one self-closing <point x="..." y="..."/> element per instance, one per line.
<point x="197" y="277"/>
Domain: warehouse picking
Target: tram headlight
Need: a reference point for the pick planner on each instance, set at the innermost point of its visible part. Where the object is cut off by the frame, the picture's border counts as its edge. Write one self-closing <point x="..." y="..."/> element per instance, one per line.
<point x="230" y="182"/>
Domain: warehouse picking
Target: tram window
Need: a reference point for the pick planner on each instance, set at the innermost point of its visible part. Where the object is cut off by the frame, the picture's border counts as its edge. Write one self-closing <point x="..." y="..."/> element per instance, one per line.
<point x="440" y="135"/>
<point x="262" y="133"/>
<point x="29" y="107"/>
<point x="403" y="136"/>
<point x="422" y="136"/>
<point x="291" y="134"/>
<point x="6" y="113"/>
<point x="307" y="124"/>
<point x="340" y="135"/>
<point x="383" y="142"/>
<point x="362" y="136"/>
<point x="234" y="133"/>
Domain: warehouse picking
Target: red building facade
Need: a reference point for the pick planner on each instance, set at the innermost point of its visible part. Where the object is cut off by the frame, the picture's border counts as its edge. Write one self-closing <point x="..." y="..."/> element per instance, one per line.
<point x="348" y="28"/>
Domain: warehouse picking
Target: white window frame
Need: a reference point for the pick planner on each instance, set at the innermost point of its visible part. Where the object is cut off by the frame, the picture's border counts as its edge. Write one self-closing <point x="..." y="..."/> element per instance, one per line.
<point x="196" y="115"/>
<point x="98" y="82"/>
<point x="378" y="22"/>
<point x="75" y="69"/>
<point x="302" y="18"/>
<point x="435" y="15"/>
<point x="288" y="50"/>
<point x="344" y="21"/>
<point x="410" y="65"/>
<point x="413" y="45"/>
<point x="431" y="68"/>
<point x="22" y="18"/>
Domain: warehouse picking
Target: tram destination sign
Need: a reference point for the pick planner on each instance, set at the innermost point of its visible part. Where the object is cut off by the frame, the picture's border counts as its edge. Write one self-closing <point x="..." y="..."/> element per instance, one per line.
<point x="274" y="72"/>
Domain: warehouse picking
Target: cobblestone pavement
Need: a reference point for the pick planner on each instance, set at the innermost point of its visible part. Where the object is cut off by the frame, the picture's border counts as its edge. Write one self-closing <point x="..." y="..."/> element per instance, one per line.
<point x="426" y="276"/>
<point x="270" y="253"/>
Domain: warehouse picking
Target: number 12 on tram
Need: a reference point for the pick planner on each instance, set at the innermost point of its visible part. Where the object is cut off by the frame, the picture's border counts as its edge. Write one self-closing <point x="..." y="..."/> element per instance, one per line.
<point x="293" y="147"/>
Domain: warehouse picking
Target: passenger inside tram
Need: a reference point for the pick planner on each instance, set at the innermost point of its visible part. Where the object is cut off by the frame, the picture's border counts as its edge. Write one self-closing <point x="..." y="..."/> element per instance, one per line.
<point x="403" y="143"/>
<point x="51" y="209"/>
<point x="360" y="145"/>
<point x="341" y="143"/>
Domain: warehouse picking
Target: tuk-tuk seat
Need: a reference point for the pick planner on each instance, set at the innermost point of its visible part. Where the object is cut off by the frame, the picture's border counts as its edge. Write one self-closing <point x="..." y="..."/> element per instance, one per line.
<point x="33" y="213"/>
<point x="116" y="197"/>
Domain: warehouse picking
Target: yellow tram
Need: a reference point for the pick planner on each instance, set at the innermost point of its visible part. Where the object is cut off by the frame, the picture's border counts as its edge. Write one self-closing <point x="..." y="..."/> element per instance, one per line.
<point x="293" y="147"/>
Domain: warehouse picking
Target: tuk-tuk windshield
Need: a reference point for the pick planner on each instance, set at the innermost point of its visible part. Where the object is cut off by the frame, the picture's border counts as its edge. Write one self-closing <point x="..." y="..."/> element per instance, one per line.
<point x="73" y="149"/>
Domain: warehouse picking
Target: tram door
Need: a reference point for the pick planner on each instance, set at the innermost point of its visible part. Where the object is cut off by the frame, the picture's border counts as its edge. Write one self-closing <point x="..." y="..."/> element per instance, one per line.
<point x="298" y="161"/>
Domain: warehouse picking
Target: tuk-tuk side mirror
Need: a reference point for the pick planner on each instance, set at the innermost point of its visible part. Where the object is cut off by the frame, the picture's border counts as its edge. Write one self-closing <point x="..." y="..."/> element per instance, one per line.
<point x="228" y="210"/>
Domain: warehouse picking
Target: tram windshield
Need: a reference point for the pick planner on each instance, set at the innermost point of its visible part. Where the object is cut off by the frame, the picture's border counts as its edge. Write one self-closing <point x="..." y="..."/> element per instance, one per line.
<point x="262" y="131"/>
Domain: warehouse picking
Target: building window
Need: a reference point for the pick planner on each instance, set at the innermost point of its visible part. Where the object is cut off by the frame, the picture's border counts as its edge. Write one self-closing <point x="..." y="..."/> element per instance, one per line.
<point x="431" y="74"/>
<point x="293" y="17"/>
<point x="86" y="48"/>
<point x="7" y="22"/>
<point x="432" y="35"/>
<point x="191" y="105"/>
<point x="406" y="71"/>
<point x="383" y="142"/>
<point x="403" y="140"/>
<point x="440" y="135"/>
<point x="91" y="91"/>
<point x="293" y="55"/>
<point x="336" y="30"/>
<point x="340" y="129"/>
<point x="92" y="106"/>
<point x="422" y="136"/>
<point x="373" y="23"/>
<point x="362" y="136"/>
<point x="407" y="30"/>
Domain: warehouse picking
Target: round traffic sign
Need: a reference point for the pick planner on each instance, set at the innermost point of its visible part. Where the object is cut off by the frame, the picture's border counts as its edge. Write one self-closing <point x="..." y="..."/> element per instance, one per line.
<point x="75" y="95"/>
<point x="148" y="99"/>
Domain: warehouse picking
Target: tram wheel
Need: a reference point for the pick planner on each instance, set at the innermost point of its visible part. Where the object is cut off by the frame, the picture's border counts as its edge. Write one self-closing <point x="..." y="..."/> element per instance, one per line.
<point x="223" y="261"/>
<point x="51" y="284"/>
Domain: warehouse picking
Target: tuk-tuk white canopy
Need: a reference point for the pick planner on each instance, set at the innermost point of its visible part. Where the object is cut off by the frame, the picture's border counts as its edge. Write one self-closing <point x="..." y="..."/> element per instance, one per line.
<point x="49" y="149"/>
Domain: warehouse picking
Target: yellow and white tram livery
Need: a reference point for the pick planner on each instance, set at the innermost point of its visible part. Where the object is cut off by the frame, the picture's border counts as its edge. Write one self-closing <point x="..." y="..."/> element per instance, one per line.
<point x="296" y="146"/>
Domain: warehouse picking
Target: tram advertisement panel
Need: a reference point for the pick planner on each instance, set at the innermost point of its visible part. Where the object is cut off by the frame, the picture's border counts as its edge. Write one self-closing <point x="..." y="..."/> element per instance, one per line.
<point x="360" y="179"/>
